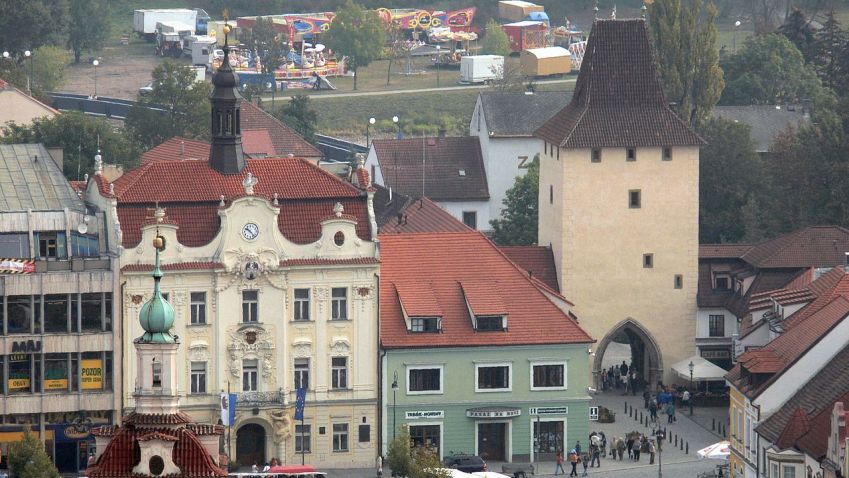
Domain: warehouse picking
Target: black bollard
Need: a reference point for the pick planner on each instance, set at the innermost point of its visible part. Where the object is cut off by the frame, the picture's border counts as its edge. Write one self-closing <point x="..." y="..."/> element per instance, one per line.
<point x="626" y="407"/>
<point x="641" y="416"/>
<point x="682" y="445"/>
<point x="713" y="424"/>
<point x="676" y="440"/>
<point x="687" y="452"/>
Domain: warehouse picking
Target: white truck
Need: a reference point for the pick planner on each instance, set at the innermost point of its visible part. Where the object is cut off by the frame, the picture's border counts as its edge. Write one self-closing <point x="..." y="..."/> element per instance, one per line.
<point x="169" y="37"/>
<point x="144" y="21"/>
<point x="201" y="49"/>
<point x="481" y="69"/>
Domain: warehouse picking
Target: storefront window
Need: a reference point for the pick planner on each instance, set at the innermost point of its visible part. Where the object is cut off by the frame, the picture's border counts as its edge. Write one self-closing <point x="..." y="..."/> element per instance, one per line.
<point x="55" y="372"/>
<point x="92" y="312"/>
<point x="548" y="438"/>
<point x="56" y="313"/>
<point x="19" y="314"/>
<point x="425" y="436"/>
<point x="20" y="373"/>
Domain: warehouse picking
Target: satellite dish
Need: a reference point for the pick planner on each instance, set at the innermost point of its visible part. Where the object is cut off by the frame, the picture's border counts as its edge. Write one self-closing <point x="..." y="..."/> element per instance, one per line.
<point x="82" y="228"/>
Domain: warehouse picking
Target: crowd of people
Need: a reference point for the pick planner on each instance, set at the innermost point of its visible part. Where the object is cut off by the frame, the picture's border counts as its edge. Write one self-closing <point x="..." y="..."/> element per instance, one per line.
<point x="622" y="377"/>
<point x="587" y="458"/>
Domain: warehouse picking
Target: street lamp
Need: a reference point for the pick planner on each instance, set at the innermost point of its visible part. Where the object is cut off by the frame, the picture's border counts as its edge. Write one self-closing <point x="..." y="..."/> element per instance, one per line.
<point x="30" y="81"/>
<point x="95" y="63"/>
<point x="397" y="122"/>
<point x="394" y="389"/>
<point x="438" y="61"/>
<point x="736" y="27"/>
<point x="659" y="435"/>
<point x="371" y="122"/>
<point x="691" y="367"/>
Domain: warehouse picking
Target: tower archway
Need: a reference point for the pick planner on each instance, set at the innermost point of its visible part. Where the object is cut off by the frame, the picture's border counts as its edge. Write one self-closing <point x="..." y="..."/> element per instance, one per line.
<point x="250" y="444"/>
<point x="644" y="354"/>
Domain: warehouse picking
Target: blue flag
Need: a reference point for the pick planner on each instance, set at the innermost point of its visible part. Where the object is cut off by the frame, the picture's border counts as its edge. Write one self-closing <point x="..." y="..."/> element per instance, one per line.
<point x="228" y="409"/>
<point x="300" y="401"/>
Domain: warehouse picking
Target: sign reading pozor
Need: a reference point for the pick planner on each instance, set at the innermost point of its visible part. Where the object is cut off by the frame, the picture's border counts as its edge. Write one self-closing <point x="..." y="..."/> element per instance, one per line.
<point x="91" y="377"/>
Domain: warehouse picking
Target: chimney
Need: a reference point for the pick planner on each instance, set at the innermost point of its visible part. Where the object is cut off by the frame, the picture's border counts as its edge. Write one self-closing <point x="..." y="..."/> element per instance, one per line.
<point x="182" y="148"/>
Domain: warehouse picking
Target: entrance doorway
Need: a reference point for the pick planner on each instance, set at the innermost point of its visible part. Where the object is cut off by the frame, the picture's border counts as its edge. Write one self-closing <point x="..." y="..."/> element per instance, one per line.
<point x="492" y="441"/>
<point x="631" y="343"/>
<point x="250" y="445"/>
<point x="549" y="439"/>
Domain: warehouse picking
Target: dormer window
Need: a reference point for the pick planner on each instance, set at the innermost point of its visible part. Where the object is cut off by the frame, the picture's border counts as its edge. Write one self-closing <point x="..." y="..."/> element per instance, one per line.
<point x="425" y="324"/>
<point x="489" y="323"/>
<point x="722" y="282"/>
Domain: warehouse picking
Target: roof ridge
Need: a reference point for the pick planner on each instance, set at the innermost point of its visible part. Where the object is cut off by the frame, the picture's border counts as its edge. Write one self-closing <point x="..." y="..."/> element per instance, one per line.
<point x="282" y="124"/>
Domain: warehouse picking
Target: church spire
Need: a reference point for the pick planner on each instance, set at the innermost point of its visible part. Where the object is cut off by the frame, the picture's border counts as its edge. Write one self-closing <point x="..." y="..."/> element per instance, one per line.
<point x="157" y="315"/>
<point x="226" y="155"/>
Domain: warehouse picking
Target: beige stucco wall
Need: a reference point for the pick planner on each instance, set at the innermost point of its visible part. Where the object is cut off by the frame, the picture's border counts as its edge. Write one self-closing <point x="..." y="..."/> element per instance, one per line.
<point x="599" y="241"/>
<point x="20" y="108"/>
<point x="222" y="343"/>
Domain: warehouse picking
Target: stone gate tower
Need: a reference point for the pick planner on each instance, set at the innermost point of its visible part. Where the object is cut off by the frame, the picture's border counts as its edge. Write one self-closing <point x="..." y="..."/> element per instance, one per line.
<point x="619" y="203"/>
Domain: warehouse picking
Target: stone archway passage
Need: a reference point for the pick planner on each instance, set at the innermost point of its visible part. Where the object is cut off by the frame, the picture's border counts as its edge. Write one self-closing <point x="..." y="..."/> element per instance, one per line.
<point x="645" y="352"/>
<point x="250" y="445"/>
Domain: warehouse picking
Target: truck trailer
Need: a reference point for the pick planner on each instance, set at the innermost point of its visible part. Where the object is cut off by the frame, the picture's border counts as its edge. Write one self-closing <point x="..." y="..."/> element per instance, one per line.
<point x="526" y="34"/>
<point x="517" y="10"/>
<point x="548" y="61"/>
<point x="481" y="69"/>
<point x="144" y="21"/>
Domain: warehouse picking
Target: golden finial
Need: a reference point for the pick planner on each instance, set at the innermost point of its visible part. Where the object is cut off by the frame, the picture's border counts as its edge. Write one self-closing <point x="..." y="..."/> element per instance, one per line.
<point x="159" y="243"/>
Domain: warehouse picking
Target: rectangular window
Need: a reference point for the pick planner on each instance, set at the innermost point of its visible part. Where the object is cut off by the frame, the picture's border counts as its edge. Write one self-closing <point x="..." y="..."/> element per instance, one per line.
<point x="302" y="373"/>
<point x="19" y="314"/>
<point x="198" y="305"/>
<point x="15" y="246"/>
<point x="631" y="154"/>
<point x="648" y="261"/>
<point x="20" y="373"/>
<point x="92" y="312"/>
<point x="56" y="308"/>
<point x="470" y="218"/>
<point x="722" y="283"/>
<point x="156" y="368"/>
<point x="596" y="156"/>
<point x="789" y="471"/>
<point x="679" y="281"/>
<point x="634" y="199"/>
<point x="250" y="306"/>
<point x="250" y="374"/>
<point x="558" y="152"/>
<point x="424" y="324"/>
<point x="667" y="154"/>
<point x="551" y="194"/>
<point x="426" y="436"/>
<point x="548" y="376"/>
<point x="51" y="245"/>
<point x="424" y="380"/>
<point x="492" y="377"/>
<point x="303" y="438"/>
<point x="340" y="437"/>
<point x="84" y="246"/>
<point x="198" y="377"/>
<point x="716" y="325"/>
<point x="302" y="304"/>
<point x="56" y="372"/>
<point x="339" y="373"/>
<point x="339" y="299"/>
<point x="490" y="323"/>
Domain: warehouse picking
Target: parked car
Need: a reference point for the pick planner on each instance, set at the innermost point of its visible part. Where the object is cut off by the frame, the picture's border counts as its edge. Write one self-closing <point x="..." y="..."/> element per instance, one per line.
<point x="465" y="463"/>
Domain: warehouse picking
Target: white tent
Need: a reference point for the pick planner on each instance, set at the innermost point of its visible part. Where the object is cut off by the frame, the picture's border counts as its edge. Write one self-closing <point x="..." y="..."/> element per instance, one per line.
<point x="703" y="370"/>
<point x="717" y="451"/>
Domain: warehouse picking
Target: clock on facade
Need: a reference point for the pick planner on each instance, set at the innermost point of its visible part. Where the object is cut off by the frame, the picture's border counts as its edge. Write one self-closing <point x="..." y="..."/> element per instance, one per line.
<point x="250" y="231"/>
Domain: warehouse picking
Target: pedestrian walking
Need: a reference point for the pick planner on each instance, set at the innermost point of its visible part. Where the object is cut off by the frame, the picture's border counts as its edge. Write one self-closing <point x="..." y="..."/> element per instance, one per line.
<point x="578" y="447"/>
<point x="653" y="410"/>
<point x="646" y="398"/>
<point x="685" y="398"/>
<point x="559" y="466"/>
<point x="670" y="412"/>
<point x="633" y="382"/>
<point x="620" y="448"/>
<point x="629" y="445"/>
<point x="584" y="461"/>
<point x="378" y="463"/>
<point x="573" y="460"/>
<point x="652" y="452"/>
<point x="595" y="460"/>
<point x="603" y="443"/>
<point x="636" y="452"/>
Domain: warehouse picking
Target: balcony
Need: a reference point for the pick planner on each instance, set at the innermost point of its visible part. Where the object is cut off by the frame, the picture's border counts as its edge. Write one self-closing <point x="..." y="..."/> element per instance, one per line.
<point x="259" y="399"/>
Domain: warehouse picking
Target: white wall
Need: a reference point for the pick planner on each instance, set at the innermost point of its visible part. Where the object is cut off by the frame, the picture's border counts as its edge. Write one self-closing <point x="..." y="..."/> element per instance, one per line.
<point x="456" y="209"/>
<point x="703" y="322"/>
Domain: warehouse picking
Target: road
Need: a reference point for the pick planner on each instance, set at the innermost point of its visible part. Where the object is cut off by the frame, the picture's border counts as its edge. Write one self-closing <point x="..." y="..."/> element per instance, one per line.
<point x="319" y="96"/>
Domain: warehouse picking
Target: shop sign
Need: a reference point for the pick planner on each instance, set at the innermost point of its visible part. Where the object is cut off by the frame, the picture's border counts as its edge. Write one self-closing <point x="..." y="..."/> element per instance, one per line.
<point x="77" y="431"/>
<point x="56" y="384"/>
<point x="17" y="266"/>
<point x="20" y="382"/>
<point x="92" y="374"/>
<point x="548" y="411"/>
<point x="415" y="415"/>
<point x="499" y="413"/>
<point x="24" y="346"/>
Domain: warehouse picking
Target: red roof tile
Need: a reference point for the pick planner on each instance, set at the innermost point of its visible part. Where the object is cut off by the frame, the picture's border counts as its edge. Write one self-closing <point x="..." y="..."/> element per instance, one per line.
<point x="429" y="269"/>
<point x="618" y="98"/>
<point x="483" y="298"/>
<point x="813" y="246"/>
<point x="723" y="251"/>
<point x="796" y="427"/>
<point x="418" y="300"/>
<point x="257" y="143"/>
<point x="284" y="139"/>
<point x="179" y="266"/>
<point x="177" y="148"/>
<point x="537" y="260"/>
<point x="423" y="215"/>
<point x="453" y="167"/>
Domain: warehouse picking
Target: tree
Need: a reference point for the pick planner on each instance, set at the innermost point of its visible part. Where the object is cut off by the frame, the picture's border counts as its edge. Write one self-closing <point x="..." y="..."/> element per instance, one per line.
<point x="729" y="173"/>
<point x="684" y="36"/>
<point x="797" y="29"/>
<point x="496" y="41"/>
<point x="519" y="218"/>
<point x="397" y="46"/>
<point x="27" y="458"/>
<point x="419" y="462"/>
<point x="358" y="34"/>
<point x="26" y="25"/>
<point x="829" y="54"/>
<point x="79" y="136"/>
<point x="48" y="68"/>
<point x="299" y="115"/>
<point x="177" y="106"/>
<point x="89" y="25"/>
<point x="769" y="69"/>
<point x="269" y="43"/>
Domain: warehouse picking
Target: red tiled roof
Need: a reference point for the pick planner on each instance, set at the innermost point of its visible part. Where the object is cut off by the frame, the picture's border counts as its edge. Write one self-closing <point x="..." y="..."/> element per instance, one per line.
<point x="257" y="143"/>
<point x="453" y="167"/>
<point x="828" y="287"/>
<point x="430" y="268"/>
<point x="178" y="418"/>
<point x="418" y="300"/>
<point x="618" y="98"/>
<point x="483" y="298"/>
<point x="179" y="266"/>
<point x="813" y="246"/>
<point x="796" y="427"/>
<point x="190" y="191"/>
<point x="284" y="140"/>
<point x="723" y="251"/>
<point x="156" y="435"/>
<point x="537" y="260"/>
<point x="177" y="148"/>
<point x="423" y="215"/>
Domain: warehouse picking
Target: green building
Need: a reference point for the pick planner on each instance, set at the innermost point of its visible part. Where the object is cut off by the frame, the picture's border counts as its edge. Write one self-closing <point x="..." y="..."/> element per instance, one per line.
<point x="477" y="357"/>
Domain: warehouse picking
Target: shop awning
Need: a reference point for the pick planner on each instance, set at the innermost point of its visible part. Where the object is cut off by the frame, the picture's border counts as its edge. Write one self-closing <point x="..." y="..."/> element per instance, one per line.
<point x="703" y="370"/>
